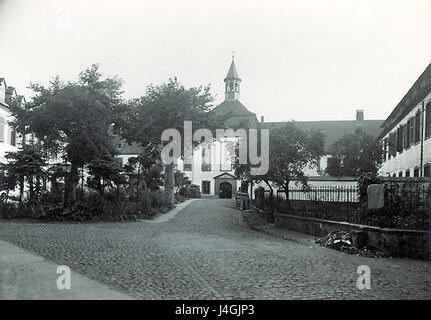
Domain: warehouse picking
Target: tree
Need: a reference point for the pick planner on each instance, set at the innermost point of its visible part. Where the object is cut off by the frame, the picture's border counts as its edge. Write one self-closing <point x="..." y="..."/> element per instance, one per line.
<point x="291" y="151"/>
<point x="146" y="168"/>
<point x="165" y="106"/>
<point x="24" y="165"/>
<point x="354" y="154"/>
<point x="181" y="180"/>
<point x="106" y="171"/>
<point x="73" y="119"/>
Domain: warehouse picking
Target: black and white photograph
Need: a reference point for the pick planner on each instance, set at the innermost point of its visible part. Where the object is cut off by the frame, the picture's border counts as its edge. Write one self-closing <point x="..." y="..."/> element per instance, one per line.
<point x="215" y="154"/>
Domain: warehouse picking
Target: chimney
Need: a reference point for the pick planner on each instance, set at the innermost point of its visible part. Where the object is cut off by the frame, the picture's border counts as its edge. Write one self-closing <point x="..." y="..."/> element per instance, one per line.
<point x="262" y="119"/>
<point x="359" y="115"/>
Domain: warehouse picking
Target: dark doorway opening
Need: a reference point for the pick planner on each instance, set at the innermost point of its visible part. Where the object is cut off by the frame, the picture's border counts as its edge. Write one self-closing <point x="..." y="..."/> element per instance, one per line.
<point x="225" y="190"/>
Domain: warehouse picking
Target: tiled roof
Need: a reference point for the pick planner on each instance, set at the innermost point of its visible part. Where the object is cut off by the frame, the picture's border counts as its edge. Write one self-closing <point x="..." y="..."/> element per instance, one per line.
<point x="233" y="107"/>
<point x="10" y="89"/>
<point x="232" y="73"/>
<point x="412" y="98"/>
<point x="236" y="113"/>
<point x="333" y="130"/>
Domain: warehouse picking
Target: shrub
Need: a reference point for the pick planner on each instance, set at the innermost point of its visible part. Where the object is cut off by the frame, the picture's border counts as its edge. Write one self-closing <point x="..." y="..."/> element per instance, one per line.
<point x="363" y="182"/>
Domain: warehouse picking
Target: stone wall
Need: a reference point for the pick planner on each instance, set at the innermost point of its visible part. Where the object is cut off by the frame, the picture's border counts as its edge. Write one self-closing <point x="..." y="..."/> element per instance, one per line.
<point x="393" y="242"/>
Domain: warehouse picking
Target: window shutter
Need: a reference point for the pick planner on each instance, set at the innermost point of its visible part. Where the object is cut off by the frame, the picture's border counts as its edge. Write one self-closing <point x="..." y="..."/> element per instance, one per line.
<point x="2" y="127"/>
<point x="428" y="120"/>
<point x="417" y="126"/>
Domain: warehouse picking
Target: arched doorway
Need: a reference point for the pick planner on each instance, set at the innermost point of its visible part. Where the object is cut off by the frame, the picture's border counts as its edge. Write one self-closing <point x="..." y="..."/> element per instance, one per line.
<point x="230" y="187"/>
<point x="225" y="190"/>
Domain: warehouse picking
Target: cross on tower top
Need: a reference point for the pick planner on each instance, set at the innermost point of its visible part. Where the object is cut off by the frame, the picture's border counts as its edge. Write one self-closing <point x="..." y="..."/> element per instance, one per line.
<point x="233" y="55"/>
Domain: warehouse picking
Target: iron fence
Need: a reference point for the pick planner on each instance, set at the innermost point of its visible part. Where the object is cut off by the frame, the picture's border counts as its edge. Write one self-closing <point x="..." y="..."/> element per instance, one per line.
<point x="325" y="193"/>
<point x="406" y="205"/>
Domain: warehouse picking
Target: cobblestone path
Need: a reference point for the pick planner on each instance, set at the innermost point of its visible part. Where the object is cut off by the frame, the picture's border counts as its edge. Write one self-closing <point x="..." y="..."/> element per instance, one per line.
<point x="207" y="252"/>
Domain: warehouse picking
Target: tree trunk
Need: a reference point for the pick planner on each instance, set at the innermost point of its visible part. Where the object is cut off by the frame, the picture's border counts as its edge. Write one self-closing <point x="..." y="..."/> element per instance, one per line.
<point x="99" y="185"/>
<point x="21" y="189"/>
<point x="271" y="190"/>
<point x="286" y="191"/>
<point x="54" y="187"/>
<point x="70" y="186"/>
<point x="38" y="189"/>
<point x="271" y="195"/>
<point x="82" y="182"/>
<point x="169" y="184"/>
<point x="138" y="181"/>
<point x="31" y="188"/>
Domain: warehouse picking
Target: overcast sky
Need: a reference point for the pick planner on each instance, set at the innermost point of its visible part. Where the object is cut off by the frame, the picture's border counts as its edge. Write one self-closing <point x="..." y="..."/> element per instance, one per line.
<point x="302" y="60"/>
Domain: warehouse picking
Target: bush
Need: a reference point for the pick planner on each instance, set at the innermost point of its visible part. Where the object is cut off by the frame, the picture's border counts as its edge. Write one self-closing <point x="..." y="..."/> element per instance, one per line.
<point x="91" y="204"/>
<point x="363" y="182"/>
<point x="179" y="198"/>
<point x="190" y="191"/>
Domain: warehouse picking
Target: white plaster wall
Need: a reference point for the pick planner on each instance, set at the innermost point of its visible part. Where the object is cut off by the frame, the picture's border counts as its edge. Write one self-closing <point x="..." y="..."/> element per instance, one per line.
<point x="5" y="145"/>
<point x="408" y="159"/>
<point x="196" y="175"/>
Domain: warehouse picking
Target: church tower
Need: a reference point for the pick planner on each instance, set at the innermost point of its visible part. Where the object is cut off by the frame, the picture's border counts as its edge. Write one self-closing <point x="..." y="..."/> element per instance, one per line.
<point x="232" y="83"/>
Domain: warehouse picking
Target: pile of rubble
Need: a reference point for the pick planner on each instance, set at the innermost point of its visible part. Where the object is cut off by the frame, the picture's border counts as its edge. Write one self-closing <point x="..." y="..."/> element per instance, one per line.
<point x="342" y="241"/>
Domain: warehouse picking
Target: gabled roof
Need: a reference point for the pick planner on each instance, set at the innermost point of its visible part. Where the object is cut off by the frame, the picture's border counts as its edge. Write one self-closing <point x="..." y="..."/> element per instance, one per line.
<point x="232" y="73"/>
<point x="10" y="94"/>
<point x="333" y="130"/>
<point x="10" y="89"/>
<point x="225" y="173"/>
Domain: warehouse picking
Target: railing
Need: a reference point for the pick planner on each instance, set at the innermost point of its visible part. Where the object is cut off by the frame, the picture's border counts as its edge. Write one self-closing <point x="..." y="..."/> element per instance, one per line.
<point x="406" y="205"/>
<point x="327" y="193"/>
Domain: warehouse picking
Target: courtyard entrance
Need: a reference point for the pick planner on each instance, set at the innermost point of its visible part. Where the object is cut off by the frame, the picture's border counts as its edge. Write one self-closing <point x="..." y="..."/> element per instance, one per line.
<point x="225" y="190"/>
<point x="225" y="185"/>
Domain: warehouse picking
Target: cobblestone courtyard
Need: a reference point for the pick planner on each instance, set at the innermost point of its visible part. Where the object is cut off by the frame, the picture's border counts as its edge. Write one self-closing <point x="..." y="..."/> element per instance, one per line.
<point x="207" y="252"/>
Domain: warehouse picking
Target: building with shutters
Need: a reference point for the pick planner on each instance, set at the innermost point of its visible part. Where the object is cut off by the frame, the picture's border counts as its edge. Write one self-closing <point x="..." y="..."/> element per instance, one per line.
<point x="211" y="165"/>
<point x="406" y="133"/>
<point x="8" y="138"/>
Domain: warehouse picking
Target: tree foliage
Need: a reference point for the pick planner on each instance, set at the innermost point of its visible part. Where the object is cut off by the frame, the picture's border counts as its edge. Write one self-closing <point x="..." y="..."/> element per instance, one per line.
<point x="72" y="119"/>
<point x="181" y="179"/>
<point x="291" y="151"/>
<point x="147" y="168"/>
<point x="25" y="164"/>
<point x="165" y="106"/>
<point x="354" y="154"/>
